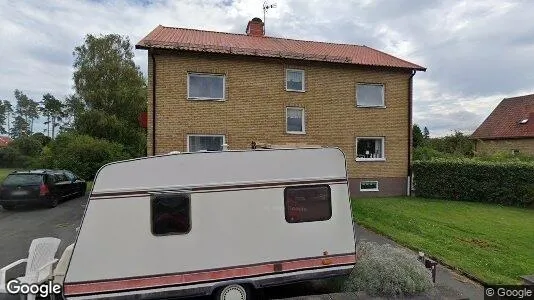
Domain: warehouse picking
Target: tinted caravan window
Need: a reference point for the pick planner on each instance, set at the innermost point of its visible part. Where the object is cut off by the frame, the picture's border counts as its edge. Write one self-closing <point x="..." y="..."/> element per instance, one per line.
<point x="307" y="203"/>
<point x="171" y="214"/>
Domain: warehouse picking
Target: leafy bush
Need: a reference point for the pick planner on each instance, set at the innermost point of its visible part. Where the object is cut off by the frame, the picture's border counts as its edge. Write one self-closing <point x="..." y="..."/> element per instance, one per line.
<point x="428" y="153"/>
<point x="383" y="270"/>
<point x="504" y="156"/>
<point x="82" y="154"/>
<point x="27" y="145"/>
<point x="507" y="183"/>
<point x="11" y="157"/>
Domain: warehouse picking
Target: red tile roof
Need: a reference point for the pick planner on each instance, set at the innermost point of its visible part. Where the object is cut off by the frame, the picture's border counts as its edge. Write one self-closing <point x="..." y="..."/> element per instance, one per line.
<point x="241" y="44"/>
<point x="505" y="120"/>
<point x="5" y="140"/>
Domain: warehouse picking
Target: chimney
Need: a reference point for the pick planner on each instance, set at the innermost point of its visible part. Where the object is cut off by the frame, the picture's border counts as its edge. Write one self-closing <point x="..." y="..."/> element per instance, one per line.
<point x="255" y="27"/>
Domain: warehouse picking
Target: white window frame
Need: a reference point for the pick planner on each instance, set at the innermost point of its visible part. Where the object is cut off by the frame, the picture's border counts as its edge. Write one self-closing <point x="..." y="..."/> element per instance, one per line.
<point x="303" y="120"/>
<point x="383" y="139"/>
<point x="205" y="135"/>
<point x="303" y="80"/>
<point x="383" y="105"/>
<point x="369" y="190"/>
<point x="207" y="75"/>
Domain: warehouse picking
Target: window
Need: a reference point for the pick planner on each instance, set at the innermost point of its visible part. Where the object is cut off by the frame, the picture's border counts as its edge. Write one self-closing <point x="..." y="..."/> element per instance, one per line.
<point x="22" y="179"/>
<point x="371" y="148"/>
<point x="368" y="186"/>
<point x="370" y="95"/>
<point x="205" y="86"/>
<point x="205" y="142"/>
<point x="295" y="120"/>
<point x="70" y="176"/>
<point x="295" y="80"/>
<point x="307" y="203"/>
<point x="171" y="214"/>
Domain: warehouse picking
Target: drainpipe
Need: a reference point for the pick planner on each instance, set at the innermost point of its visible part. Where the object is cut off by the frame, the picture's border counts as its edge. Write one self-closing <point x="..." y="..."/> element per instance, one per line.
<point x="410" y="103"/>
<point x="153" y="103"/>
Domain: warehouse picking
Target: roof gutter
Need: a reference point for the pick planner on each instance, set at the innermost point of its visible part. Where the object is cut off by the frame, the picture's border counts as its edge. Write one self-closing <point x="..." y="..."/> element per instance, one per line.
<point x="153" y="102"/>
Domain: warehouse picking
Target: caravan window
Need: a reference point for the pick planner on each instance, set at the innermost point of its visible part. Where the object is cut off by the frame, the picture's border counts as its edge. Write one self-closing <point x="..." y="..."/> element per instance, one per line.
<point x="171" y="214"/>
<point x="307" y="203"/>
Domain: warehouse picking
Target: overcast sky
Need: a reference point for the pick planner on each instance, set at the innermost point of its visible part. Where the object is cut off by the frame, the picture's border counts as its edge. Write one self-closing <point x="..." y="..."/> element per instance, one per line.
<point x="476" y="52"/>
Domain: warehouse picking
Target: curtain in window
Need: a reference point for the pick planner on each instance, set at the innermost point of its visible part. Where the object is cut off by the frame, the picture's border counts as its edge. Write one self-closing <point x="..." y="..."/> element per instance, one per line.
<point x="369" y="95"/>
<point x="294" y="80"/>
<point x="203" y="86"/>
<point x="294" y="120"/>
<point x="378" y="149"/>
<point x="210" y="143"/>
<point x="369" y="148"/>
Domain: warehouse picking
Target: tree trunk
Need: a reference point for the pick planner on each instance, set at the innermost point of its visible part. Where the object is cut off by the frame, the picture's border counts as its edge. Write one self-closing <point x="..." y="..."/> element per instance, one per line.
<point x="53" y="126"/>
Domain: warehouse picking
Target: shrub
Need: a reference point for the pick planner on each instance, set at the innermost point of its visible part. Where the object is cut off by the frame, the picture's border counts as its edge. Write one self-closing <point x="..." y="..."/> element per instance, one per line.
<point x="11" y="157"/>
<point x="507" y="183"/>
<point x="384" y="270"/>
<point x="27" y="145"/>
<point x="82" y="154"/>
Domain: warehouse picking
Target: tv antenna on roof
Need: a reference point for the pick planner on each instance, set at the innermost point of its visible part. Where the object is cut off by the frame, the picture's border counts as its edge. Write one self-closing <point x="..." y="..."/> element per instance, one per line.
<point x="265" y="8"/>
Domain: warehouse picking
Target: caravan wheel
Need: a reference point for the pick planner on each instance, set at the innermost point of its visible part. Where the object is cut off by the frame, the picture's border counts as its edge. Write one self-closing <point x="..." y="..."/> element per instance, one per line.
<point x="233" y="292"/>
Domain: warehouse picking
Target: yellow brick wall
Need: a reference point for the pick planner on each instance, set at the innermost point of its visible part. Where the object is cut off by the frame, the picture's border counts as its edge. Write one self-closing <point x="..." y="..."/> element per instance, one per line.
<point x="525" y="146"/>
<point x="255" y="104"/>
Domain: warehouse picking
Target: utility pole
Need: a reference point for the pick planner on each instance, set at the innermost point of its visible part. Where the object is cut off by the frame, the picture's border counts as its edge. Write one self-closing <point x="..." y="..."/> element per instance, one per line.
<point x="265" y="8"/>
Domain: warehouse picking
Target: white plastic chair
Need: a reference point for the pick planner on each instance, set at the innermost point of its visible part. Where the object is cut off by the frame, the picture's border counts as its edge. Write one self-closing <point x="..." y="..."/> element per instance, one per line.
<point x="39" y="264"/>
<point x="61" y="267"/>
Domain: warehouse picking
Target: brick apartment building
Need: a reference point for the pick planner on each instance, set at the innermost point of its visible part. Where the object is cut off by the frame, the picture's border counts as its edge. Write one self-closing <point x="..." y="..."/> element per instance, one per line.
<point x="209" y="88"/>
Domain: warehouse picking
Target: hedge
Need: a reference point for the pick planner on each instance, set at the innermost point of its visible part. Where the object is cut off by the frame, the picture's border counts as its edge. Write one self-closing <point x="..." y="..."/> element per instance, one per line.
<point x="506" y="183"/>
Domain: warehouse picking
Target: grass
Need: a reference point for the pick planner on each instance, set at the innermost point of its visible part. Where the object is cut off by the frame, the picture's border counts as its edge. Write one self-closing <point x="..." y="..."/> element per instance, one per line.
<point x="491" y="243"/>
<point x="4" y="173"/>
<point x="89" y="186"/>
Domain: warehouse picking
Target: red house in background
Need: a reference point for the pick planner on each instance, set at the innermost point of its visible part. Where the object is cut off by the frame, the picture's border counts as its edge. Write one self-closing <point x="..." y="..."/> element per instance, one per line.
<point x="4" y="141"/>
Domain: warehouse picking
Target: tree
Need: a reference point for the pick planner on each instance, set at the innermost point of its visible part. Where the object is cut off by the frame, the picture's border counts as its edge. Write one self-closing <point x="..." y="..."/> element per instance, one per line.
<point x="26" y="108"/>
<point x="3" y="117"/>
<point x="426" y="133"/>
<point x="106" y="77"/>
<point x="8" y="111"/>
<point x="417" y="136"/>
<point x="110" y="92"/>
<point x="74" y="106"/>
<point x="52" y="108"/>
<point x="20" y="127"/>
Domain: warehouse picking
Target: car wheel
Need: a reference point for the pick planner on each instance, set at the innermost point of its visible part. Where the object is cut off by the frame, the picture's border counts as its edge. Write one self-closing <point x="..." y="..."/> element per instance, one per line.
<point x="53" y="202"/>
<point x="233" y="292"/>
<point x="83" y="191"/>
<point x="8" y="207"/>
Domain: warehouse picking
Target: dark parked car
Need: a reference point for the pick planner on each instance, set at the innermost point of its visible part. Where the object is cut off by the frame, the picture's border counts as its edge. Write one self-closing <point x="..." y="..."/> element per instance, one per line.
<point x="47" y="187"/>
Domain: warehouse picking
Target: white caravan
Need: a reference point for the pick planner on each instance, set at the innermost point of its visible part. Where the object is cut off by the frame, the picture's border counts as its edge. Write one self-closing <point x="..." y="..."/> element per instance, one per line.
<point x="222" y="223"/>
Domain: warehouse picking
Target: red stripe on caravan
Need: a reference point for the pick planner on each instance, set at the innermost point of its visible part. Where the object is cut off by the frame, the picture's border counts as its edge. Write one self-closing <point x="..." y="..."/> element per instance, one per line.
<point x="199" y="277"/>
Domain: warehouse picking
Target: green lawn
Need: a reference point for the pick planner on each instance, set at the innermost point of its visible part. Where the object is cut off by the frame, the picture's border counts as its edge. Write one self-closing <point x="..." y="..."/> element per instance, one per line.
<point x="4" y="173"/>
<point x="493" y="244"/>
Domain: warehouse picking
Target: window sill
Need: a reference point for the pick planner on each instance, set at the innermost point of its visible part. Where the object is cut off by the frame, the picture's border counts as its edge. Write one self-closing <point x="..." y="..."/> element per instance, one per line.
<point x="298" y="91"/>
<point x="377" y="106"/>
<point x="206" y="99"/>
<point x="373" y="190"/>
<point x="371" y="159"/>
<point x="296" y="132"/>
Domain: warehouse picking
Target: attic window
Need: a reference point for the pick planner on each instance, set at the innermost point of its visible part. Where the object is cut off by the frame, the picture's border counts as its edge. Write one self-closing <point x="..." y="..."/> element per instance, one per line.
<point x="524" y="121"/>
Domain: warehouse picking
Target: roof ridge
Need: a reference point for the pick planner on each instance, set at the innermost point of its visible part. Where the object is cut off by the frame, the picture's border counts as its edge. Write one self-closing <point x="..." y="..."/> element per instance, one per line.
<point x="267" y="36"/>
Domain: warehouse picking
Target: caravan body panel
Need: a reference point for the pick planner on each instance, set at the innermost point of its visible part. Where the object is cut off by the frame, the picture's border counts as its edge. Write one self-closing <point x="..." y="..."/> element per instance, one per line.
<point x="238" y="227"/>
